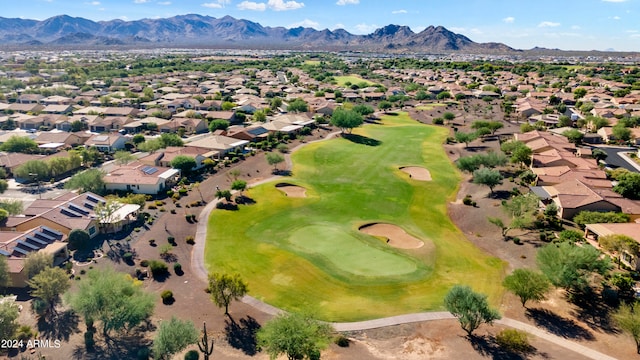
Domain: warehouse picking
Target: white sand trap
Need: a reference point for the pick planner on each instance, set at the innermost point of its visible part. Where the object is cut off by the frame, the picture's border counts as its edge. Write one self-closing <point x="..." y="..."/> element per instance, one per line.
<point x="290" y="190"/>
<point x="395" y="235"/>
<point x="417" y="173"/>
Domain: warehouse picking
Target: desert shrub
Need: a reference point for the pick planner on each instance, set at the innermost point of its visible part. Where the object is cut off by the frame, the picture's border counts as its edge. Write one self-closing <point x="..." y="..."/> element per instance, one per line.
<point x="438" y="121"/>
<point x="467" y="200"/>
<point x="171" y="239"/>
<point x="192" y="355"/>
<point x="513" y="340"/>
<point x="127" y="257"/>
<point x="177" y="267"/>
<point x="341" y="341"/>
<point x="190" y="240"/>
<point x="517" y="241"/>
<point x="167" y="296"/>
<point x="173" y="211"/>
<point x="182" y="191"/>
<point x="158" y="268"/>
<point x="152" y="207"/>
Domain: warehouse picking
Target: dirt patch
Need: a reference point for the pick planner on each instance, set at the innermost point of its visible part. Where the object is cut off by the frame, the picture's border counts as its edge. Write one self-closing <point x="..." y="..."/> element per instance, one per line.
<point x="395" y="235"/>
<point x="292" y="190"/>
<point x="417" y="173"/>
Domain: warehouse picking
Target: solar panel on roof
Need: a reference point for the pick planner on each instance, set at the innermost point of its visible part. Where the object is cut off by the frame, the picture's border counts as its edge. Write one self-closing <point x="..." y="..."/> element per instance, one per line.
<point x="51" y="231"/>
<point x="44" y="236"/>
<point x="77" y="208"/>
<point x="70" y="212"/>
<point x="20" y="251"/>
<point x="92" y="199"/>
<point x="89" y="205"/>
<point x="38" y="242"/>
<point x="149" y="170"/>
<point x="27" y="245"/>
<point x="2" y="252"/>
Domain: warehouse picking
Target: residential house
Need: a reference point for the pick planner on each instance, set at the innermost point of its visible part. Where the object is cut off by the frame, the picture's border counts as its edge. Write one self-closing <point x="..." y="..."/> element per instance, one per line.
<point x="139" y="178"/>
<point x="218" y="145"/>
<point x="165" y="156"/>
<point x="574" y="196"/>
<point x="107" y="143"/>
<point x="594" y="231"/>
<point x="109" y="123"/>
<point x="65" y="138"/>
<point x="16" y="245"/>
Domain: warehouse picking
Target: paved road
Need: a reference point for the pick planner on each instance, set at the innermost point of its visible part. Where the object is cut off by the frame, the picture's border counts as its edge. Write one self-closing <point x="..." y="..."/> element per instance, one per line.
<point x="616" y="157"/>
<point x="199" y="268"/>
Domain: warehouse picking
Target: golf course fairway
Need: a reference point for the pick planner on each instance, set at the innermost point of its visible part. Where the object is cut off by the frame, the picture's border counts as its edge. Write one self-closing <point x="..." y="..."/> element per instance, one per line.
<point x="307" y="253"/>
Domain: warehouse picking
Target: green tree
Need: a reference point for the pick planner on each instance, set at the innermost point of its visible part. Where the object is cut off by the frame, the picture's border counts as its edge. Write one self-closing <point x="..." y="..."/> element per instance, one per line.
<point x="226" y="194"/>
<point x="172" y="337"/>
<point x="464" y="137"/>
<point x="170" y="140"/>
<point x="489" y="177"/>
<point x="346" y="120"/>
<point x="627" y="317"/>
<point x="184" y="163"/>
<point x="218" y="124"/>
<point x="569" y="266"/>
<point x="78" y="239"/>
<point x="364" y="110"/>
<point x="298" y="105"/>
<point x="123" y="157"/>
<point x="113" y="298"/>
<point x="522" y="155"/>
<point x="35" y="170"/>
<point x="89" y="180"/>
<point x="239" y="185"/>
<point x="19" y="144"/>
<point x="151" y="146"/>
<point x="448" y="116"/>
<point x="617" y="244"/>
<point x="4" y="185"/>
<point x="274" y="159"/>
<point x="596" y="217"/>
<point x="260" y="116"/>
<point x="9" y="313"/>
<point x="224" y="288"/>
<point x="48" y="285"/>
<point x="138" y="138"/>
<point x="5" y="277"/>
<point x="528" y="285"/>
<point x="579" y="93"/>
<point x="574" y="136"/>
<point x="36" y="262"/>
<point x="628" y="184"/>
<point x="621" y="133"/>
<point x="470" y="308"/>
<point x="384" y="105"/>
<point x="521" y="211"/>
<point x="298" y="337"/>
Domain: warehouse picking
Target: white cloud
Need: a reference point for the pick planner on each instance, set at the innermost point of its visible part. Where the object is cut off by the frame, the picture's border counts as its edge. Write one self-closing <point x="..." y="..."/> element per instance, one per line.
<point x="616" y="18"/>
<point x="94" y="3"/>
<point x="347" y="2"/>
<point x="140" y="1"/>
<point x="548" y="24"/>
<point x="509" y="19"/>
<point x="250" y="5"/>
<point x="214" y="5"/>
<point x="164" y="3"/>
<point x="338" y="26"/>
<point x="615" y="1"/>
<point x="402" y="11"/>
<point x="576" y="27"/>
<point x="365" y="28"/>
<point x="305" y="23"/>
<point x="281" y="5"/>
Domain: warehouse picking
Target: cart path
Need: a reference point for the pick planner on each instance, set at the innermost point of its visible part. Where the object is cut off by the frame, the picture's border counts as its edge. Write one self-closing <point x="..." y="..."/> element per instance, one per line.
<point x="199" y="268"/>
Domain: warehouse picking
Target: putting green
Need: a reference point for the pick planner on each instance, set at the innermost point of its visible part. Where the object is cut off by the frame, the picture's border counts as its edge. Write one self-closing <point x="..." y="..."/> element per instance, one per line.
<point x="336" y="248"/>
<point x="306" y="254"/>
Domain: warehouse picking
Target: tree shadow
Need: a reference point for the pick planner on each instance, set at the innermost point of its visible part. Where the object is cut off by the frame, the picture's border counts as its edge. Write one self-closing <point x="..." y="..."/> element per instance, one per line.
<point x="500" y="195"/>
<point x="245" y="200"/>
<point x="593" y="311"/>
<point x="227" y="206"/>
<point x="242" y="336"/>
<point x="488" y="347"/>
<point x="282" y="172"/>
<point x="60" y="327"/>
<point x="558" y="325"/>
<point x="363" y="140"/>
<point x="474" y="148"/>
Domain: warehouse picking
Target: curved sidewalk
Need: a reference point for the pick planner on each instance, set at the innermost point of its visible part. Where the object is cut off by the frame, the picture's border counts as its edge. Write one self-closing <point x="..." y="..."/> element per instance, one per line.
<point x="200" y="270"/>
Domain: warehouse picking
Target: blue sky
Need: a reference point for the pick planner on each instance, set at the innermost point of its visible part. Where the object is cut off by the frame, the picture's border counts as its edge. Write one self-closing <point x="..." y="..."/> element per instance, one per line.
<point x="564" y="24"/>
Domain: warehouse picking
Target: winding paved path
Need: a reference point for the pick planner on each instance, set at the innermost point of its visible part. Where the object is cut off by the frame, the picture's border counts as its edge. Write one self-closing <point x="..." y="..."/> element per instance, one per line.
<point x="200" y="270"/>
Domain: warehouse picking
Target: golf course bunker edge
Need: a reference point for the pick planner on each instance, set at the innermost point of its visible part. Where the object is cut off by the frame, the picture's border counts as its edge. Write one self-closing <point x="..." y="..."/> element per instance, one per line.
<point x="395" y="235"/>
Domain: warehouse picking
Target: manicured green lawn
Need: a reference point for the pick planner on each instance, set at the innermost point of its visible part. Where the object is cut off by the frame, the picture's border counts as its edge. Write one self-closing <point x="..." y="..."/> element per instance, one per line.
<point x="307" y="253"/>
<point x="429" y="107"/>
<point x="353" y="79"/>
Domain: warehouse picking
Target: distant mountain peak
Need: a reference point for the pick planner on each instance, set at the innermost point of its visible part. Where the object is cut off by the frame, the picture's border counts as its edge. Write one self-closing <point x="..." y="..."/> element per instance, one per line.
<point x="202" y="30"/>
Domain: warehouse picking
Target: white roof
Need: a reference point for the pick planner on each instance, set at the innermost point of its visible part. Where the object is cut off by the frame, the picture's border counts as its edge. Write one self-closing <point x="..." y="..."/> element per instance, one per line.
<point x="169" y="173"/>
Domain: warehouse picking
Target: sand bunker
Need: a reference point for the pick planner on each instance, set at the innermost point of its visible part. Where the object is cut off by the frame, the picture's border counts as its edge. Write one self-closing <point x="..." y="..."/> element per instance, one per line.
<point x="395" y="235"/>
<point x="292" y="190"/>
<point x="417" y="173"/>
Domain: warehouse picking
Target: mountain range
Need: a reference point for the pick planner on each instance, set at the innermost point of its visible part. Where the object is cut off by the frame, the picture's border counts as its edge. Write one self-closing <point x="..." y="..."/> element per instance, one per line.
<point x="228" y="32"/>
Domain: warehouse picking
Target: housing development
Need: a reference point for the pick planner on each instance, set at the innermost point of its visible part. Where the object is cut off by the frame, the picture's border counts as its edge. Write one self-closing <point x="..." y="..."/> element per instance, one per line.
<point x="180" y="203"/>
